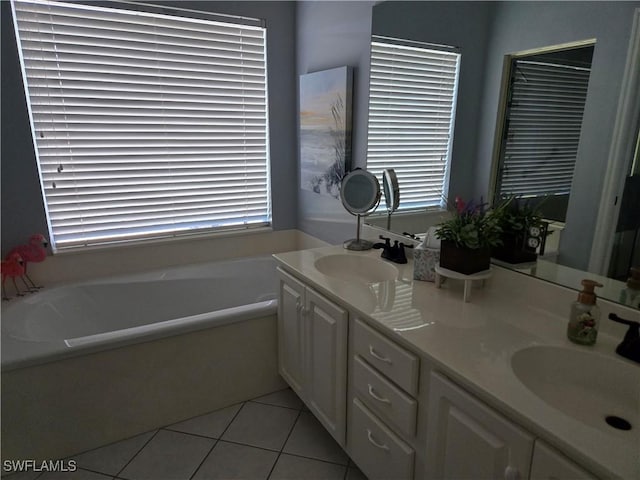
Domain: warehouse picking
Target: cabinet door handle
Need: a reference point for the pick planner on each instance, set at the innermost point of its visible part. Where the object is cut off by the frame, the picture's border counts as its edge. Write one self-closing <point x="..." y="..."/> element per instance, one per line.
<point x="382" y="358"/>
<point x="511" y="473"/>
<point x="300" y="308"/>
<point x="381" y="446"/>
<point x="376" y="396"/>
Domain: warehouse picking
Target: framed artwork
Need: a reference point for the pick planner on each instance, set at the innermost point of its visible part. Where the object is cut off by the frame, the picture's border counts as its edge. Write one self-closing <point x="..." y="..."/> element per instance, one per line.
<point x="325" y="129"/>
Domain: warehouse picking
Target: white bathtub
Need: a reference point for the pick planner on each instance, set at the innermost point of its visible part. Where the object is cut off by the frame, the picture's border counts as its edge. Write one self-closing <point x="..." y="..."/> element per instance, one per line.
<point x="64" y="321"/>
<point x="91" y="363"/>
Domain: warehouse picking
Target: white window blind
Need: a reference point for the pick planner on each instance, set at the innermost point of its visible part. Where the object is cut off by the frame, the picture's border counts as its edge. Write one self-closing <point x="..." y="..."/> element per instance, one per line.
<point x="543" y="130"/>
<point x="412" y="100"/>
<point x="146" y="124"/>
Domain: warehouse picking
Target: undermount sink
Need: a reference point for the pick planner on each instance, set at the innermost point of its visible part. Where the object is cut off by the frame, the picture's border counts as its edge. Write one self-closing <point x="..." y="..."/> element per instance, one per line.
<point x="595" y="389"/>
<point x="357" y="268"/>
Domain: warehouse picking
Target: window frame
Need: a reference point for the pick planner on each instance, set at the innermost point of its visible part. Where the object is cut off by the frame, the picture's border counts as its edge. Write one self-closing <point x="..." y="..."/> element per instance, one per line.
<point x="522" y="109"/>
<point x="155" y="234"/>
<point x="436" y="198"/>
<point x="554" y="205"/>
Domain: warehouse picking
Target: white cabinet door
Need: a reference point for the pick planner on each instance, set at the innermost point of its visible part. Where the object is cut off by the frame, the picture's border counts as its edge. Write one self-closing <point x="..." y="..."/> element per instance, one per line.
<point x="291" y="331"/>
<point x="468" y="440"/>
<point x="548" y="464"/>
<point x="326" y="362"/>
<point x="312" y="351"/>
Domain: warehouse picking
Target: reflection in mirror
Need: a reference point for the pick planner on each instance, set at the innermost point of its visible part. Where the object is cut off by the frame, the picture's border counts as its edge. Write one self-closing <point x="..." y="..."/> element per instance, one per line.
<point x="544" y="95"/>
<point x="625" y="259"/>
<point x="484" y="33"/>
<point x="412" y="104"/>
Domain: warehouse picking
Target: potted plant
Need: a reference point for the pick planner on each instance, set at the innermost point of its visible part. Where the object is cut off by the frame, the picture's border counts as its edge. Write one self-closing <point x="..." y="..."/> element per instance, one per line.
<point x="467" y="237"/>
<point x="522" y="230"/>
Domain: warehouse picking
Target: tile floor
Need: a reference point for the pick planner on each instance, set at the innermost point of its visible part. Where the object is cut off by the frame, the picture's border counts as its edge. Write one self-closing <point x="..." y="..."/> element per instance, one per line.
<point x="271" y="437"/>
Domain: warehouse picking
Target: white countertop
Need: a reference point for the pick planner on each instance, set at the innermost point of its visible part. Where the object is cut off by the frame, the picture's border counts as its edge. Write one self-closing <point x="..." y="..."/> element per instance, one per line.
<point x="473" y="343"/>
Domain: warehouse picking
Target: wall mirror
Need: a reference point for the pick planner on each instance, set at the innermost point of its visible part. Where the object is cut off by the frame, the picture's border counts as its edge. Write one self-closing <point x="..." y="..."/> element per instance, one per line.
<point x="492" y="34"/>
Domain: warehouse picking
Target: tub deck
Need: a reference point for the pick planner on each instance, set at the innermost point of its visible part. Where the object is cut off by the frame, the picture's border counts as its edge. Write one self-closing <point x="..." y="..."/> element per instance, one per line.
<point x="76" y="319"/>
<point x="83" y="369"/>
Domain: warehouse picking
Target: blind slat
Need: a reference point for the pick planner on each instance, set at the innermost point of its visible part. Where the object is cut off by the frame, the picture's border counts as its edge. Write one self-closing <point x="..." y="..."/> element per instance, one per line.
<point x="411" y="113"/>
<point x="146" y="124"/>
<point x="545" y="120"/>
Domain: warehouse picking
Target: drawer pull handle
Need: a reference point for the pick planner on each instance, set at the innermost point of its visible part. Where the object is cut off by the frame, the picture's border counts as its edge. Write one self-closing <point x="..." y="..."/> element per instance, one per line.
<point x="375" y="354"/>
<point x="376" y="396"/>
<point x="381" y="446"/>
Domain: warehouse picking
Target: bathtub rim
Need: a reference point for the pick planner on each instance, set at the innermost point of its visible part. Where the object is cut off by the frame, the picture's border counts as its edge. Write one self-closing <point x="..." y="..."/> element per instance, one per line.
<point x="19" y="353"/>
<point x="15" y="357"/>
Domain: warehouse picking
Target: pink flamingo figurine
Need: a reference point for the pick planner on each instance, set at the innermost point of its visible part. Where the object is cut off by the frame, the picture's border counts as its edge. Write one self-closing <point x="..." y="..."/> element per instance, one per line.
<point x="12" y="267"/>
<point x="34" y="251"/>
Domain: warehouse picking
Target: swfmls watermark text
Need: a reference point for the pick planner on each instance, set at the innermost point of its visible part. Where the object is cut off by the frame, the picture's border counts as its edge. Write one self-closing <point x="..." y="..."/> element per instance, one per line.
<point x="30" y="465"/>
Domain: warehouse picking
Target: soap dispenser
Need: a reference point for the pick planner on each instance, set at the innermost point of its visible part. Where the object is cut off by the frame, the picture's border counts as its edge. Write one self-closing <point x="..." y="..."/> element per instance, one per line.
<point x="631" y="294"/>
<point x="584" y="319"/>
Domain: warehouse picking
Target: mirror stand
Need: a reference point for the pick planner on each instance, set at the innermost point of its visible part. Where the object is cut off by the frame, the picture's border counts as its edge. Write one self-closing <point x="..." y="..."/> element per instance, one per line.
<point x="358" y="243"/>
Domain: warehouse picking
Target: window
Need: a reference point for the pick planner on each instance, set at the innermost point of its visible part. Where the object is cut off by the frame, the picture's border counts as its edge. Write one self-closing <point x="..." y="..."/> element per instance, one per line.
<point x="412" y="100"/>
<point x="147" y="124"/>
<point x="543" y="122"/>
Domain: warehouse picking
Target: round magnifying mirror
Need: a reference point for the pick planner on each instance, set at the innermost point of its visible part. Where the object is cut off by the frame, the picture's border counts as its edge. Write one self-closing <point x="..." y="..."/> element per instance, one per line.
<point x="391" y="189"/>
<point x="360" y="192"/>
<point x="360" y="195"/>
<point x="391" y="192"/>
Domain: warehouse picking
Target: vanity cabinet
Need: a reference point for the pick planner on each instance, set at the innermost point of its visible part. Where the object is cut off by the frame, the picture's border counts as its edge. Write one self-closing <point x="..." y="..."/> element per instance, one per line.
<point x="383" y="401"/>
<point x="467" y="439"/>
<point x="312" y="351"/>
<point x="549" y="464"/>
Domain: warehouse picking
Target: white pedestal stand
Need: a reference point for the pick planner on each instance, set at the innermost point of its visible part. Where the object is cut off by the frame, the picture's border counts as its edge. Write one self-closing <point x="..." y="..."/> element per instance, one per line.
<point x="468" y="279"/>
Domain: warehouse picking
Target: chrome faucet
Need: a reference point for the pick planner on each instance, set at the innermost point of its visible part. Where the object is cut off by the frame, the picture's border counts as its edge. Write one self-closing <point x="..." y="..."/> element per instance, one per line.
<point x="630" y="345"/>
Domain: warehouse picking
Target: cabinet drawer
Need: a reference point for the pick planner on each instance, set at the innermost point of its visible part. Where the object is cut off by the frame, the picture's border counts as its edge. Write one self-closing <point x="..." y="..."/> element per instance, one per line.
<point x="382" y="396"/>
<point x="400" y="365"/>
<point x="377" y="451"/>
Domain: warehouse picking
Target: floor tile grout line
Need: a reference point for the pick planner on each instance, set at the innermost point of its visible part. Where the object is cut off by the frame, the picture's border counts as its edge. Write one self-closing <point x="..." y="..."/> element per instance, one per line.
<point x="275" y="405"/>
<point x="88" y="470"/>
<point x="136" y="454"/>
<point x="283" y="444"/>
<point x="232" y="420"/>
<point x="282" y="451"/>
<point x="204" y="459"/>
<point x="168" y="427"/>
<point x="219" y="439"/>
<point x="198" y="435"/>
<point x="316" y="459"/>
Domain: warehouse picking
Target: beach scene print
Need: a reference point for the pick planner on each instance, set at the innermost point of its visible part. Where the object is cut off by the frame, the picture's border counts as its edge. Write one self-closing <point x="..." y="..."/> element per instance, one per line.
<point x="325" y="123"/>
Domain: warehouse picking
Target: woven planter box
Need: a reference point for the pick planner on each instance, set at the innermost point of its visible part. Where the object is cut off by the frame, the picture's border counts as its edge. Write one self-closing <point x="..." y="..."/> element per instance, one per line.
<point x="464" y="260"/>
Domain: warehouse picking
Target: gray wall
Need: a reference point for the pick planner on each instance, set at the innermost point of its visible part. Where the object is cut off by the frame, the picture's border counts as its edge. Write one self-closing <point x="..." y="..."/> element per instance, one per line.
<point x="22" y="207"/>
<point x="329" y="35"/>
<point x="522" y="26"/>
